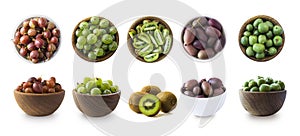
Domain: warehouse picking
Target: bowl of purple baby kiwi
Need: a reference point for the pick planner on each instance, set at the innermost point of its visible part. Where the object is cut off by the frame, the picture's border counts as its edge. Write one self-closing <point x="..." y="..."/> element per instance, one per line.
<point x="203" y="38"/>
<point x="208" y="95"/>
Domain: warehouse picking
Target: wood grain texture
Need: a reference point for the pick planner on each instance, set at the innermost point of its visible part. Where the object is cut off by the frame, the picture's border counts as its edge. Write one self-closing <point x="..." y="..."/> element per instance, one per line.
<point x="39" y="104"/>
<point x="262" y="103"/>
<point x="130" y="41"/>
<point x="99" y="59"/>
<point x="96" y="106"/>
<point x="250" y="21"/>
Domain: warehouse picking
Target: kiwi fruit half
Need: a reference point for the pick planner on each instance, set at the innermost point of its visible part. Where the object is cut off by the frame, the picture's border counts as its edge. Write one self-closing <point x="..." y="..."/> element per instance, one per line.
<point x="134" y="101"/>
<point x="151" y="89"/>
<point x="168" y="101"/>
<point x="149" y="105"/>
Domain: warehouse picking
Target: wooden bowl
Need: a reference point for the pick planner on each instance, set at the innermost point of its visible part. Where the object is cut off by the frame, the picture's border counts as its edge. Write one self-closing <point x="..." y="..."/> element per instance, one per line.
<point x="262" y="103"/>
<point x="81" y="55"/>
<point x="130" y="41"/>
<point x="39" y="104"/>
<point x="96" y="106"/>
<point x="251" y="20"/>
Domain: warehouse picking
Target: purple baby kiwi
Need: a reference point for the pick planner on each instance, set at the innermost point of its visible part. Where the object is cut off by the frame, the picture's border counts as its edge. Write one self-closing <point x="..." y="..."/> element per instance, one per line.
<point x="200" y="22"/>
<point x="215" y="83"/>
<point x="191" y="50"/>
<point x="189" y="93"/>
<point x="189" y="35"/>
<point x="201" y="34"/>
<point x="207" y="89"/>
<point x="210" y="52"/>
<point x="218" y="91"/>
<point x="215" y="23"/>
<point x="218" y="46"/>
<point x="223" y="40"/>
<point x="189" y="85"/>
<point x="211" y="41"/>
<point x="196" y="90"/>
<point x="212" y="32"/>
<point x="198" y="44"/>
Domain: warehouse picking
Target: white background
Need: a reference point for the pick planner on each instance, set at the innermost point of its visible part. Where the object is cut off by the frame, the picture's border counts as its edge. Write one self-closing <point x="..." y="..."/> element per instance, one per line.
<point x="232" y="119"/>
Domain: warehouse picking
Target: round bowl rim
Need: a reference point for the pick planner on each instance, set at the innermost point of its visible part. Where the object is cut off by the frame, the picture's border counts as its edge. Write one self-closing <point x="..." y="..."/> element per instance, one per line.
<point x="242" y="30"/>
<point x="104" y="95"/>
<point x="208" y="98"/>
<point x="59" y="42"/>
<point x="195" y="58"/>
<point x="129" y="40"/>
<point x="270" y="92"/>
<point x="78" y="53"/>
<point x="38" y="94"/>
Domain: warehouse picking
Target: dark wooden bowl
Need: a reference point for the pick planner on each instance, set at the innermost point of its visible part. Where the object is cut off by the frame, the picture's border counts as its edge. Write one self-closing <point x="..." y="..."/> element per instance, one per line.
<point x="39" y="104"/>
<point x="96" y="106"/>
<point x="130" y="41"/>
<point x="81" y="55"/>
<point x="251" y="20"/>
<point x="262" y="103"/>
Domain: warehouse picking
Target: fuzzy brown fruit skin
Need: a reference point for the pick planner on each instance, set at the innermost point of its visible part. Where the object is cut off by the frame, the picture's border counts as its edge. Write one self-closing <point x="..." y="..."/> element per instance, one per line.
<point x="168" y="101"/>
<point x="134" y="101"/>
<point x="151" y="89"/>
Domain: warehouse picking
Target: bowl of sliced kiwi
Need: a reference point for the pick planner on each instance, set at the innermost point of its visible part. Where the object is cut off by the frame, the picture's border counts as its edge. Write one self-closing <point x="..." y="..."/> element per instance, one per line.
<point x="151" y="100"/>
<point x="149" y="39"/>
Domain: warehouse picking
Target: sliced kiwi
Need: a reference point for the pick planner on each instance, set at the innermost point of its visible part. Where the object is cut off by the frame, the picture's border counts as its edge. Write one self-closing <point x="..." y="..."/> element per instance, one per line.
<point x="149" y="105"/>
<point x="151" y="89"/>
<point x="134" y="101"/>
<point x="168" y="101"/>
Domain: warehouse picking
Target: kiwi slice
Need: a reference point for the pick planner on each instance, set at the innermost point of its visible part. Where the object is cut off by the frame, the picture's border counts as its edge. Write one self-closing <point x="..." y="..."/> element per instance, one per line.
<point x="134" y="101"/>
<point x="151" y="89"/>
<point x="168" y="101"/>
<point x="149" y="105"/>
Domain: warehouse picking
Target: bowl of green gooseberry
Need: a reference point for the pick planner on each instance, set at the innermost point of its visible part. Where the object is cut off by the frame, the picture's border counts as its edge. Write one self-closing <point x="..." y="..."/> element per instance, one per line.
<point x="263" y="96"/>
<point x="261" y="38"/>
<point x="95" y="39"/>
<point x="96" y="98"/>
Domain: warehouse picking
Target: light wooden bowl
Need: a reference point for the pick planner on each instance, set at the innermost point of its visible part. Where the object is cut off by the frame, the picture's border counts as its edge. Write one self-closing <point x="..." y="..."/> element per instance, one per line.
<point x="251" y="20"/>
<point x="262" y="103"/>
<point x="39" y="104"/>
<point x="130" y="41"/>
<point x="81" y="55"/>
<point x="98" y="105"/>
